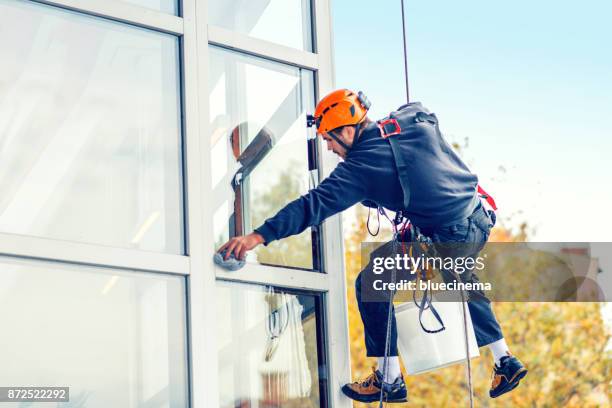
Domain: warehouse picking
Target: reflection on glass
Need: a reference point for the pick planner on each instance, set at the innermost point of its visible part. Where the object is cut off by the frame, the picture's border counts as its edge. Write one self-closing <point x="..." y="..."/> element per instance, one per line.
<point x="259" y="148"/>
<point x="89" y="130"/>
<point x="166" y="6"/>
<point x="286" y="22"/>
<point x="268" y="353"/>
<point x="116" y="338"/>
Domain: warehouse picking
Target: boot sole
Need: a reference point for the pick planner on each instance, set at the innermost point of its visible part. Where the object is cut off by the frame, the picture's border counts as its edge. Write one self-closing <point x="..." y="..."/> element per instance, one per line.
<point x="512" y="384"/>
<point x="372" y="398"/>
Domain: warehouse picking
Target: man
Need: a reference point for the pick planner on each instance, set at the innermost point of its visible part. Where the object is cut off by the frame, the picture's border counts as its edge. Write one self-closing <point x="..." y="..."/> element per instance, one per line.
<point x="421" y="177"/>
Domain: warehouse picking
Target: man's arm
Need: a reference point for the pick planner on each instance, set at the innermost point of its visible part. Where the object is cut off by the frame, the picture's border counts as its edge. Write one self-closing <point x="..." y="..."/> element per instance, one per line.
<point x="344" y="187"/>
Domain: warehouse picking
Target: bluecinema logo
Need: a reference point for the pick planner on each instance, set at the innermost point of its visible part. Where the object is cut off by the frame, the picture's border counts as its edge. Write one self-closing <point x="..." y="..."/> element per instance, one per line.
<point x="414" y="264"/>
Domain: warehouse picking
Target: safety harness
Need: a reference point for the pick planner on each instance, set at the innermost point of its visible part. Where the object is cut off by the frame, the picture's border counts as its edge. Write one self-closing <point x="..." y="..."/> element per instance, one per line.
<point x="390" y="127"/>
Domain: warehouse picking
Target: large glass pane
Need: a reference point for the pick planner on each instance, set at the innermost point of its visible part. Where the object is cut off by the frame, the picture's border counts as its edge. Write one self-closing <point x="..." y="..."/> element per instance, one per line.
<point x="286" y="22"/>
<point x="117" y="339"/>
<point x="270" y="351"/>
<point x="89" y="130"/>
<point x="259" y="145"/>
<point x="166" y="6"/>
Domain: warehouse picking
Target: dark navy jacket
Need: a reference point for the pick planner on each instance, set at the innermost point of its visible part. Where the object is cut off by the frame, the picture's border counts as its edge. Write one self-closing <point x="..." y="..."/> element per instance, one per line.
<point x="442" y="189"/>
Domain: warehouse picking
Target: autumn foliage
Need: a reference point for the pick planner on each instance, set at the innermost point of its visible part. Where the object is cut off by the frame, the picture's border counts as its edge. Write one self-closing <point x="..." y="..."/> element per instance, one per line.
<point x="562" y="344"/>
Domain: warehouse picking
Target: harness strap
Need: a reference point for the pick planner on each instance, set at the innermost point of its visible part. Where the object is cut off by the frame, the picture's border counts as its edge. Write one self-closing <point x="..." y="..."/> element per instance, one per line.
<point x="402" y="168"/>
<point x="390" y="127"/>
<point x="426" y="303"/>
<point x="487" y="197"/>
<point x="427" y="299"/>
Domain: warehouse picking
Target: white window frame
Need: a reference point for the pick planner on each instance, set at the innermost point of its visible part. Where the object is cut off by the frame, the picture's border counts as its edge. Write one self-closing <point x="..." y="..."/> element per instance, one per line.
<point x="197" y="267"/>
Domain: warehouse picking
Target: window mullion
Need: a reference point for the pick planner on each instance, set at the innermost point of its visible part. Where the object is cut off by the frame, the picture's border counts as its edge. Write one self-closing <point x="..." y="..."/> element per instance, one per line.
<point x="123" y="12"/>
<point x="333" y="250"/>
<point x="89" y="254"/>
<point x="202" y="319"/>
<point x="277" y="276"/>
<point x="235" y="41"/>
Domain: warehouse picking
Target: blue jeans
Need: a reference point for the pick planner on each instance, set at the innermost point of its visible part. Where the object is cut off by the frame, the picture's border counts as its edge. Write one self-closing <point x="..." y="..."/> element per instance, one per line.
<point x="474" y="232"/>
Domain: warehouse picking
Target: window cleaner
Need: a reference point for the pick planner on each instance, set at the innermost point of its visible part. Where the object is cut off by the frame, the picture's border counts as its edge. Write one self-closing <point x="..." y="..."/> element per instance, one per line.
<point x="441" y="199"/>
<point x="401" y="163"/>
<point x="508" y="370"/>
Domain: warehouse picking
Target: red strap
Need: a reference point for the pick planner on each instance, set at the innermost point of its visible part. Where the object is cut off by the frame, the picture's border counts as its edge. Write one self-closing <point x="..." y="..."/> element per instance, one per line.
<point x="384" y="132"/>
<point x="487" y="197"/>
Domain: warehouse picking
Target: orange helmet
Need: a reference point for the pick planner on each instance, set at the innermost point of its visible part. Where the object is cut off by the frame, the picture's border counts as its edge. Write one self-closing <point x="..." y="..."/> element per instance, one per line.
<point x="340" y="108"/>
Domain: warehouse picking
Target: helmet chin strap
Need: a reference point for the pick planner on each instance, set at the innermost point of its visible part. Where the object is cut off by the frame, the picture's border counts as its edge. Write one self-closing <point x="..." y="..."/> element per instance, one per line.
<point x="334" y="135"/>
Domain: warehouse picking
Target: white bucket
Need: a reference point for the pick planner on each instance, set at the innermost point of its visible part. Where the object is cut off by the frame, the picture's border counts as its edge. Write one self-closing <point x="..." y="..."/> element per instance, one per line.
<point x="423" y="352"/>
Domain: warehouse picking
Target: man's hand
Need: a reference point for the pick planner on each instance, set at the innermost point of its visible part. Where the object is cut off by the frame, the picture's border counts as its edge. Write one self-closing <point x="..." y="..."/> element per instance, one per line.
<point x="239" y="245"/>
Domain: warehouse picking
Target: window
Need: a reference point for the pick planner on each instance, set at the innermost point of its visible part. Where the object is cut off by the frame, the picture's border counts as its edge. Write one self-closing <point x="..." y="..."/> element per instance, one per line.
<point x="260" y="157"/>
<point x="90" y="130"/>
<point x="270" y="351"/>
<point x="106" y="277"/>
<point x="286" y="22"/>
<point x="166" y="6"/>
<point x="117" y="339"/>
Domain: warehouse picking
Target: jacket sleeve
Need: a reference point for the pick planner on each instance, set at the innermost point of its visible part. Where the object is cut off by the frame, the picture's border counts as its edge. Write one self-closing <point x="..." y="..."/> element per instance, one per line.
<point x="343" y="188"/>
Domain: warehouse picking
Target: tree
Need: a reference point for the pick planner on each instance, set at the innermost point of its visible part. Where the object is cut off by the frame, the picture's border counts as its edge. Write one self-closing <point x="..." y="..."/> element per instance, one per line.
<point x="562" y="344"/>
<point x="294" y="251"/>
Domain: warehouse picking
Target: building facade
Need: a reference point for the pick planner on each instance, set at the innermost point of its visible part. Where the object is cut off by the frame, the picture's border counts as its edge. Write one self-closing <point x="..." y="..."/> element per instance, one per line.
<point x="136" y="136"/>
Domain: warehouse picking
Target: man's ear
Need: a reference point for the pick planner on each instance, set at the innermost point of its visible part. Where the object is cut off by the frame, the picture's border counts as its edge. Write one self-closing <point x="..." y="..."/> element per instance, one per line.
<point x="344" y="132"/>
<point x="349" y="134"/>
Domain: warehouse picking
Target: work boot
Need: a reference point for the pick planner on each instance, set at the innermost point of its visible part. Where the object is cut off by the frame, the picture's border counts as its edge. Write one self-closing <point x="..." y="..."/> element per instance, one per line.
<point x="368" y="390"/>
<point x="507" y="376"/>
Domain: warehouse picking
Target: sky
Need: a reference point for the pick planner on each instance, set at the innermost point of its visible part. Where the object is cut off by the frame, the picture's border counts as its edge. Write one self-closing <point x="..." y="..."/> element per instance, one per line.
<point x="527" y="84"/>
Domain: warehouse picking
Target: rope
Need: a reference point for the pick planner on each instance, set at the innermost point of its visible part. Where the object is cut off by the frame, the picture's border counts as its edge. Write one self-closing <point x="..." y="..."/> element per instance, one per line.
<point x="466" y="342"/>
<point x="467" y="351"/>
<point x="389" y="313"/>
<point x="405" y="54"/>
<point x="467" y="347"/>
<point x="393" y="272"/>
<point x="387" y="339"/>
<point x="378" y="222"/>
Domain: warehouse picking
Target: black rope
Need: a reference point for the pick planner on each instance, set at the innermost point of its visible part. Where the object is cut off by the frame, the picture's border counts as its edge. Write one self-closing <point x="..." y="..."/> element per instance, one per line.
<point x="405" y="54"/>
<point x="368" y="222"/>
<point x="467" y="349"/>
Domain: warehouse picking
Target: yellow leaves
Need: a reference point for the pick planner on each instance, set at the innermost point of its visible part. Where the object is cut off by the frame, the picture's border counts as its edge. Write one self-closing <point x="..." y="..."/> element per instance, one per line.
<point x="556" y="348"/>
<point x="562" y="345"/>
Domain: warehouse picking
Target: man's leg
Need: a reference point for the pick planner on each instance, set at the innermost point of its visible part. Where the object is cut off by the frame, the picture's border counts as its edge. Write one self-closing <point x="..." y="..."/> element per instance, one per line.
<point x="508" y="370"/>
<point x="374" y="311"/>
<point x="486" y="326"/>
<point x="374" y="316"/>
